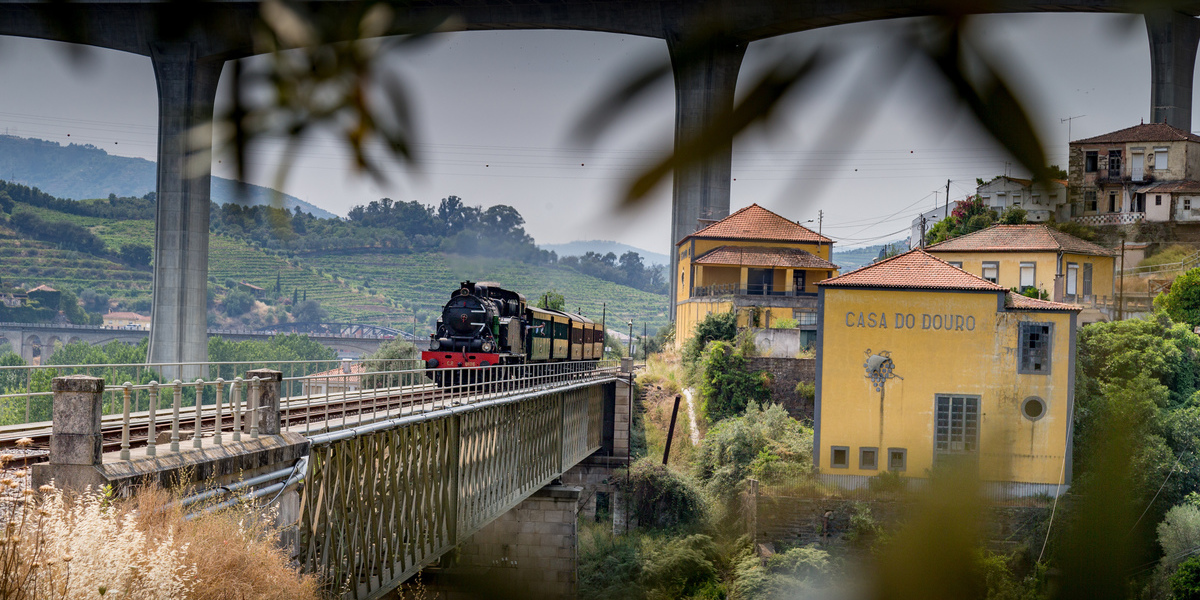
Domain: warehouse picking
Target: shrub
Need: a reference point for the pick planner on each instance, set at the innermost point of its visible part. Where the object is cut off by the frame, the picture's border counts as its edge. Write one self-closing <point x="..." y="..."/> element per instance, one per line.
<point x="609" y="565"/>
<point x="785" y="324"/>
<point x="726" y="385"/>
<point x="806" y="390"/>
<point x="785" y="575"/>
<point x="717" y="326"/>
<point x="93" y="545"/>
<point x="237" y="303"/>
<point x="682" y="568"/>
<point x="659" y="498"/>
<point x="863" y="529"/>
<point x="1185" y="583"/>
<point x="766" y="443"/>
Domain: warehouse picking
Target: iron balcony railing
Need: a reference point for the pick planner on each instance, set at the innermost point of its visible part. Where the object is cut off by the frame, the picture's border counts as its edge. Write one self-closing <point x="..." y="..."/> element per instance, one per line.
<point x="734" y="289"/>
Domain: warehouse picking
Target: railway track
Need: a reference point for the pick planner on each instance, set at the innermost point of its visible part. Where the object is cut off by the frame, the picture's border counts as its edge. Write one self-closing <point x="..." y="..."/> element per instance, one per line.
<point x="318" y="413"/>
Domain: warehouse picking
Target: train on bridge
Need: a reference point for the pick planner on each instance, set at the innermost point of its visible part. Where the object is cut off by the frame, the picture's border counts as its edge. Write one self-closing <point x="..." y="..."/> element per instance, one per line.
<point x="484" y="324"/>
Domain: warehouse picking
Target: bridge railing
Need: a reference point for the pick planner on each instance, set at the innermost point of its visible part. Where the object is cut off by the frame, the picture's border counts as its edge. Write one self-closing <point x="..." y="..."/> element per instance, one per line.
<point x="368" y="396"/>
<point x="168" y="417"/>
<point x="25" y="396"/>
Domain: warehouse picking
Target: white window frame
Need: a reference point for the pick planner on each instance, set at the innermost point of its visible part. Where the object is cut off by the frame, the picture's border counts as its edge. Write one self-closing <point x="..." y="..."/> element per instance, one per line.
<point x="991" y="265"/>
<point x="1072" y="278"/>
<point x="1160" y="158"/>
<point x="1028" y="275"/>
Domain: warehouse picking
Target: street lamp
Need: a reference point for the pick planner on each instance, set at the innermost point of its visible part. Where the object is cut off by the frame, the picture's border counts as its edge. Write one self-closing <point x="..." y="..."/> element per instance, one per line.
<point x="631" y="338"/>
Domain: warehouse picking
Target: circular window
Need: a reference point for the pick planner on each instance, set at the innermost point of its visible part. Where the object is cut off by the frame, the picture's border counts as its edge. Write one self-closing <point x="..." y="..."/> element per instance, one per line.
<point x="1033" y="408"/>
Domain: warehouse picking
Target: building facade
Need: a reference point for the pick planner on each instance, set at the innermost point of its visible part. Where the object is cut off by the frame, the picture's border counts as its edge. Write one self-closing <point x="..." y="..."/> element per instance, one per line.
<point x="921" y="364"/>
<point x="1145" y="172"/>
<point x="1039" y="201"/>
<point x="1067" y="268"/>
<point x="755" y="262"/>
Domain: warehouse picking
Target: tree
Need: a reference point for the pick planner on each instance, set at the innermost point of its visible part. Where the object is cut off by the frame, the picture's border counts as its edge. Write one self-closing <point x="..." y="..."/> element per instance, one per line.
<point x="969" y="215"/>
<point x="238" y="303"/>
<point x="552" y="300"/>
<point x="395" y="355"/>
<point x="135" y="255"/>
<point x="1182" y="303"/>
<point x="1013" y="216"/>
<point x="1185" y="583"/>
<point x="310" y="311"/>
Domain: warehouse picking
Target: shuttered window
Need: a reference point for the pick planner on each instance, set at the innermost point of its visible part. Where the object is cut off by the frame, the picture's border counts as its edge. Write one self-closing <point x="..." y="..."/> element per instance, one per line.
<point x="957" y="430"/>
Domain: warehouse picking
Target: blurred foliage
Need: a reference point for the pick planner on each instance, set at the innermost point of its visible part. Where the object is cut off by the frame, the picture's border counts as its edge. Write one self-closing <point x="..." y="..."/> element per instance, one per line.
<point x="794" y="573"/>
<point x="395" y="355"/>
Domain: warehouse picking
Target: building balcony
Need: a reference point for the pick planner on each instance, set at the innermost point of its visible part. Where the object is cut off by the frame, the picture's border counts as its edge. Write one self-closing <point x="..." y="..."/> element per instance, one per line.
<point x="1121" y="218"/>
<point x="733" y="289"/>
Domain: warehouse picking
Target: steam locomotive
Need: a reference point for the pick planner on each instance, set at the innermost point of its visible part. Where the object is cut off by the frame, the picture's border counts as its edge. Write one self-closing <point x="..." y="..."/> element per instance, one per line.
<point x="484" y="324"/>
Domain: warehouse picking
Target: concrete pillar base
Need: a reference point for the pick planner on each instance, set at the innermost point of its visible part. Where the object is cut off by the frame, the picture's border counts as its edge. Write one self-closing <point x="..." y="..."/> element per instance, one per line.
<point x="528" y="552"/>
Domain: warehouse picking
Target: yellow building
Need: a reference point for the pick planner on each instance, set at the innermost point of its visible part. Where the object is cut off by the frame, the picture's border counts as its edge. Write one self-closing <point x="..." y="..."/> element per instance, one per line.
<point x="1067" y="268"/>
<point x="756" y="262"/>
<point x="921" y="363"/>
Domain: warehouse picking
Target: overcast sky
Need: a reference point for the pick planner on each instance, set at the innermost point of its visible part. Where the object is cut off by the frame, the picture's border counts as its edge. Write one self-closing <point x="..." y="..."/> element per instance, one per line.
<point x="495" y="111"/>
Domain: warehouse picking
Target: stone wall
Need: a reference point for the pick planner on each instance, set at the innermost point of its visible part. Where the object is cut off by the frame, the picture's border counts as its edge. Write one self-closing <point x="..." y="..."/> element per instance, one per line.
<point x="791" y="521"/>
<point x="528" y="552"/>
<point x="788" y="372"/>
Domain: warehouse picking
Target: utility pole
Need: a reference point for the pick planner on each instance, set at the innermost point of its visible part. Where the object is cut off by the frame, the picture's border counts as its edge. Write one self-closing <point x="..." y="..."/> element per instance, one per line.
<point x="947" y="215"/>
<point x="820" y="220"/>
<point x="921" y="242"/>
<point x="645" y="348"/>
<point x="1121" y="298"/>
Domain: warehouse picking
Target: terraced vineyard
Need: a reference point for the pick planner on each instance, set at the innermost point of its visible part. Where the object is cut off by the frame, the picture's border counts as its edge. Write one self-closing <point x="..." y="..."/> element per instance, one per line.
<point x="375" y="288"/>
<point x="30" y="263"/>
<point x="424" y="281"/>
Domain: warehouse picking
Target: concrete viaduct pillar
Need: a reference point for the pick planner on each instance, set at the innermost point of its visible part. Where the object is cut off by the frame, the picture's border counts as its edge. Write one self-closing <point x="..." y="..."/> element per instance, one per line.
<point x="1173" y="40"/>
<point x="704" y="86"/>
<point x="187" y="86"/>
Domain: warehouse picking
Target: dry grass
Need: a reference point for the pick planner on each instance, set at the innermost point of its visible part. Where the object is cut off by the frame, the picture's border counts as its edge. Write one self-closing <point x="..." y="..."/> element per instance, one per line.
<point x="58" y="546"/>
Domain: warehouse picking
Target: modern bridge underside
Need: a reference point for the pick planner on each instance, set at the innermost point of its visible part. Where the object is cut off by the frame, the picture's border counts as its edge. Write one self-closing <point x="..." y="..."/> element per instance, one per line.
<point x="188" y="43"/>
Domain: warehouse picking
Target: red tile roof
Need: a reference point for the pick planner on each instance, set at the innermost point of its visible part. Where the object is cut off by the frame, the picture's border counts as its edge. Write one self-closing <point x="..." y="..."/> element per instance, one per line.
<point x="757" y="223"/>
<point x="126" y="315"/>
<point x="42" y="288"/>
<point x="758" y="256"/>
<point x="1146" y="132"/>
<point x="913" y="269"/>
<point x="1014" y="301"/>
<point x="1015" y="238"/>
<point x="1170" y="186"/>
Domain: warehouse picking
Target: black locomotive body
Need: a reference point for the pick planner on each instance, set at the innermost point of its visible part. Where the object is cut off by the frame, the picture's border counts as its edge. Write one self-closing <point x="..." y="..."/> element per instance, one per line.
<point x="484" y="324"/>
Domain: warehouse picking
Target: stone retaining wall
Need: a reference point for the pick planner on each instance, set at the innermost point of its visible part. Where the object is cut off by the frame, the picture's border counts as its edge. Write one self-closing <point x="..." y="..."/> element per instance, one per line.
<point x="787" y="373"/>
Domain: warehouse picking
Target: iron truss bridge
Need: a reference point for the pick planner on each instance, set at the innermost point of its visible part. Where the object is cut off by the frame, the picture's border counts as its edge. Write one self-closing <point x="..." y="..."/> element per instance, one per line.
<point x="357" y="330"/>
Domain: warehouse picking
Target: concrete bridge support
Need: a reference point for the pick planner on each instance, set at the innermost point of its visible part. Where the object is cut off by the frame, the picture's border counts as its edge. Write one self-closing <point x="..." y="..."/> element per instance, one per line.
<point x="1173" y="41"/>
<point x="704" y="86"/>
<point x="187" y="86"/>
<point x="528" y="552"/>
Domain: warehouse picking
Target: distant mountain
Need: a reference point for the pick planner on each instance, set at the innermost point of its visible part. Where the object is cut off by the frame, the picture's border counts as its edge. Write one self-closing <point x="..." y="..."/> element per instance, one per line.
<point x="848" y="260"/>
<point x="579" y="248"/>
<point x="80" y="172"/>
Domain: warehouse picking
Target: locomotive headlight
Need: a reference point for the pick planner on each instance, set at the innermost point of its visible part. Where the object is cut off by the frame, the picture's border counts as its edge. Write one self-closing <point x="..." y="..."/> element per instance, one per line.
<point x="486" y="347"/>
<point x="434" y="344"/>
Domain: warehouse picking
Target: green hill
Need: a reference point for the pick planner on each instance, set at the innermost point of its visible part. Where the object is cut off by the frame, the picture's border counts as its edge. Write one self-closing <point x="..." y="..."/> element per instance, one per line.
<point x="79" y="172"/>
<point x="362" y="286"/>
<point x="425" y="281"/>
